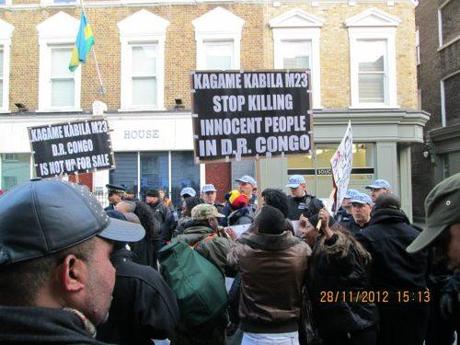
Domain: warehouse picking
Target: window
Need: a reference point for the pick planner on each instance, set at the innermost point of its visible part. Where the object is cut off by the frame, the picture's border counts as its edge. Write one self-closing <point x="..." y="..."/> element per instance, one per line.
<point x="448" y="24"/>
<point x="296" y="35"/>
<point x="218" y="37"/>
<point x="14" y="169"/>
<point x="1" y="78"/>
<point x="371" y="70"/>
<point x="59" y="89"/>
<point x="296" y="54"/>
<point x="219" y="55"/>
<point x="6" y="31"/>
<point x="142" y="37"/>
<point x="61" y="79"/>
<point x="373" y="59"/>
<point x="450" y="102"/>
<point x="362" y="172"/>
<point x="144" y="75"/>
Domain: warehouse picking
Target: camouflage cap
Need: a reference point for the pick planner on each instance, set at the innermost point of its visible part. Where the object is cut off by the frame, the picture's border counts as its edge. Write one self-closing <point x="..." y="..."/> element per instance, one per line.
<point x="441" y="209"/>
<point x="205" y="211"/>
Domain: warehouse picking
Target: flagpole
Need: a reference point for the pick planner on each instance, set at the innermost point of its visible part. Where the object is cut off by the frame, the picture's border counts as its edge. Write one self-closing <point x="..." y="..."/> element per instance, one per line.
<point x="98" y="71"/>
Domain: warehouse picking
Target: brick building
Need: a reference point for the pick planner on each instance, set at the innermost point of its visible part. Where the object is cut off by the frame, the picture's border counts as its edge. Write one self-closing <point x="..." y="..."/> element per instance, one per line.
<point x="438" y="63"/>
<point x="361" y="54"/>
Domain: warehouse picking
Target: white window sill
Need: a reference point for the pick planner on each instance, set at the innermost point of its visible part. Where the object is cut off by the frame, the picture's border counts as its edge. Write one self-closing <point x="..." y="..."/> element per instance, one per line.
<point x="59" y="110"/>
<point x="60" y="4"/>
<point x="374" y="106"/>
<point x="5" y="111"/>
<point x="139" y="108"/>
<point x="452" y="41"/>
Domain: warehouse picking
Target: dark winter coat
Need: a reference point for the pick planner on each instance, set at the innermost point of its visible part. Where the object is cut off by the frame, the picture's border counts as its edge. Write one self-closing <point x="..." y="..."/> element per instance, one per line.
<point x="352" y="226"/>
<point x="339" y="264"/>
<point x="308" y="205"/>
<point x="272" y="270"/>
<point x="241" y="216"/>
<point x="387" y="238"/>
<point x="166" y="219"/>
<point x="44" y="326"/>
<point x="143" y="305"/>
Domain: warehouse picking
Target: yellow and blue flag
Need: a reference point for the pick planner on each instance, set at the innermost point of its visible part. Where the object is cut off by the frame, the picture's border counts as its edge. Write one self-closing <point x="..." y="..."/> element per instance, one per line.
<point x="83" y="44"/>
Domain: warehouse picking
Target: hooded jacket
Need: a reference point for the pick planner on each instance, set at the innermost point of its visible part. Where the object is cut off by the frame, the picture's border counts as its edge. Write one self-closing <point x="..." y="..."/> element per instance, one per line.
<point x="45" y="326"/>
<point x="387" y="238"/>
<point x="272" y="270"/>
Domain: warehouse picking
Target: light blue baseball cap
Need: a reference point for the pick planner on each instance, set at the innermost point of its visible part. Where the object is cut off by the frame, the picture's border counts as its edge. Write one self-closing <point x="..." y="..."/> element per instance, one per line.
<point x="208" y="188"/>
<point x="188" y="191"/>
<point x="295" y="181"/>
<point x="247" y="179"/>
<point x="379" y="184"/>
<point x="350" y="193"/>
<point x="361" y="198"/>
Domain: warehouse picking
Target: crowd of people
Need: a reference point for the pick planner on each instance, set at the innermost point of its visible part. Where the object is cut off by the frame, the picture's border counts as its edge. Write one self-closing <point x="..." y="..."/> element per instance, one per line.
<point x="143" y="270"/>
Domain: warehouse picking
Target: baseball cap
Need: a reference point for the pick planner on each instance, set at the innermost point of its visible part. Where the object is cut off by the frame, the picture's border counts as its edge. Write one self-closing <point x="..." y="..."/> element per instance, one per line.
<point x="441" y="210"/>
<point x="350" y="193"/>
<point x="379" y="184"/>
<point x="361" y="198"/>
<point x="187" y="191"/>
<point x="208" y="188"/>
<point x="295" y="181"/>
<point x="116" y="188"/>
<point x="42" y="217"/>
<point x="205" y="211"/>
<point x="247" y="179"/>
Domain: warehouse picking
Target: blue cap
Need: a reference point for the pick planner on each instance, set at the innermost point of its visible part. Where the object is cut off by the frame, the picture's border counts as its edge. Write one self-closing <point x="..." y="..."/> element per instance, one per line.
<point x="351" y="193"/>
<point x="247" y="179"/>
<point x="295" y="181"/>
<point x="188" y="191"/>
<point x="208" y="188"/>
<point x="379" y="184"/>
<point x="361" y="198"/>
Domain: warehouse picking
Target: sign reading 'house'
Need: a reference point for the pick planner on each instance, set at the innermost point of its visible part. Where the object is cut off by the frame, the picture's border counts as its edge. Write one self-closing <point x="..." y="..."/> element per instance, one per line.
<point x="244" y="114"/>
<point x="71" y="147"/>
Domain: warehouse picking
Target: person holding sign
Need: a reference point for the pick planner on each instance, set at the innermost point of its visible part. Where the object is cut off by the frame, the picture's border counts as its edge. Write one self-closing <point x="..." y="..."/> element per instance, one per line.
<point x="300" y="202"/>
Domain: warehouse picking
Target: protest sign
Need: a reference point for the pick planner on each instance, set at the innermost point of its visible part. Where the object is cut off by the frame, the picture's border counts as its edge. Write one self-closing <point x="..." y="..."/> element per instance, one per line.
<point x="246" y="114"/>
<point x="70" y="147"/>
<point x="341" y="163"/>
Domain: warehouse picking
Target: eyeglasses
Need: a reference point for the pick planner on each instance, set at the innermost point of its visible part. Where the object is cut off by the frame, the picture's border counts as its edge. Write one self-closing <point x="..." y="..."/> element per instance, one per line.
<point x="209" y="193"/>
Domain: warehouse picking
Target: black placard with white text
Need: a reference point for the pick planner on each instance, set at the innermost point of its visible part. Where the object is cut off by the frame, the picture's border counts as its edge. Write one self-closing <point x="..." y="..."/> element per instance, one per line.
<point x="245" y="114"/>
<point x="64" y="148"/>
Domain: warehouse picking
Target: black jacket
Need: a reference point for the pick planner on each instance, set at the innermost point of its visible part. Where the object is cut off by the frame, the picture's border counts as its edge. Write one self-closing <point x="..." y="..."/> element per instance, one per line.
<point x="166" y="219"/>
<point x="44" y="326"/>
<point x="143" y="305"/>
<point x="339" y="265"/>
<point x="308" y="205"/>
<point x="352" y="226"/>
<point x="241" y="216"/>
<point x="387" y="238"/>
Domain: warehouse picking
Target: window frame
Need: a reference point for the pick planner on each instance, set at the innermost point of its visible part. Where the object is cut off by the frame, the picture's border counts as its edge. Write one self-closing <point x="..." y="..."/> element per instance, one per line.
<point x="305" y="34"/>
<point x="59" y="30"/>
<point x="443" y="97"/>
<point x="390" y="91"/>
<point x="217" y="25"/>
<point x="6" y="31"/>
<point x="45" y="88"/>
<point x="149" y="29"/>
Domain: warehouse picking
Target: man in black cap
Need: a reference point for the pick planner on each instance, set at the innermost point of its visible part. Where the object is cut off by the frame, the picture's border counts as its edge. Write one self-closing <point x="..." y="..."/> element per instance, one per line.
<point x="162" y="214"/>
<point x="442" y="231"/>
<point x="116" y="193"/>
<point x="56" y="278"/>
